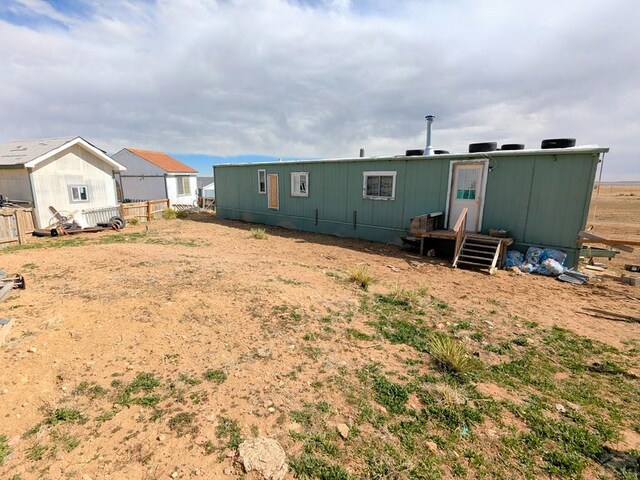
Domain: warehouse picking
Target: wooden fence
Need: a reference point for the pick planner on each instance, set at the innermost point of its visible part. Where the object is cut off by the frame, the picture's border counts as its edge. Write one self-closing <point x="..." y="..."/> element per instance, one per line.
<point x="144" y="211"/>
<point x="15" y="225"/>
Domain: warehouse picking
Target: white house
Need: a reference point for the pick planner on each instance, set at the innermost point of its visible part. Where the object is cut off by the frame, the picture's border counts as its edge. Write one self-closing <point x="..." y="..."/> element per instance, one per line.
<point x="68" y="173"/>
<point x="206" y="187"/>
<point x="154" y="175"/>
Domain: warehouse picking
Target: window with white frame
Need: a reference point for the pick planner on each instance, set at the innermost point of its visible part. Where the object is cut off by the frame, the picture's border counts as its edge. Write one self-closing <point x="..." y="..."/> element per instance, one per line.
<point x="262" y="181"/>
<point x="184" y="185"/>
<point x="79" y="193"/>
<point x="299" y="184"/>
<point x="379" y="185"/>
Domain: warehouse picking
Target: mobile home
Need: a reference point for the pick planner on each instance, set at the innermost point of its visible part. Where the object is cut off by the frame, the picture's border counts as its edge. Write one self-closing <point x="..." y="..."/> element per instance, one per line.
<point x="540" y="196"/>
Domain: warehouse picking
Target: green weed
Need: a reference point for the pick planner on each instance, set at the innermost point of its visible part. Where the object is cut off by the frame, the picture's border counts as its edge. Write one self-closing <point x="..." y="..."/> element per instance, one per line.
<point x="182" y="423"/>
<point x="4" y="448"/>
<point x="311" y="467"/>
<point x="36" y="452"/>
<point x="215" y="376"/>
<point x="229" y="431"/>
<point x="64" y="415"/>
<point x="186" y="379"/>
<point x="169" y="214"/>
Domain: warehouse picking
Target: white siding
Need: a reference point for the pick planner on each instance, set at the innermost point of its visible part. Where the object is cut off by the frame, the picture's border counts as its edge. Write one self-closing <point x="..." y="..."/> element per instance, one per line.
<point x="14" y="184"/>
<point x="74" y="166"/>
<point x="172" y="190"/>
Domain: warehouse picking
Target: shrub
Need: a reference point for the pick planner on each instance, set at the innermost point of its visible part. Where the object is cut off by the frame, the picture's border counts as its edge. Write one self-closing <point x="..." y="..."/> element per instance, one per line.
<point x="169" y="213"/>
<point x="451" y="355"/>
<point x="259" y="233"/>
<point x="182" y="214"/>
<point x="133" y="221"/>
<point x="361" y="276"/>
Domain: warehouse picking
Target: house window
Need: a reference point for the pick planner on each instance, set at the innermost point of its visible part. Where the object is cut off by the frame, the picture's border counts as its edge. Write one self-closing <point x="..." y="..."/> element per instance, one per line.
<point x="379" y="185"/>
<point x="79" y="193"/>
<point x="184" y="185"/>
<point x="299" y="184"/>
<point x="467" y="184"/>
<point x="262" y="181"/>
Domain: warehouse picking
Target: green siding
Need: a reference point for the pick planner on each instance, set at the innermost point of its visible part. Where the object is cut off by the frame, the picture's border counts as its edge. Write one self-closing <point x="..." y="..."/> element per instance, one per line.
<point x="542" y="199"/>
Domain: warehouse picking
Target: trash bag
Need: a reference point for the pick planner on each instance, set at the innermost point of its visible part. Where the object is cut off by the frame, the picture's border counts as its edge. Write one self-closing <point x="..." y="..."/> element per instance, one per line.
<point x="527" y="267"/>
<point x="550" y="268"/>
<point x="514" y="259"/>
<point x="554" y="268"/>
<point x="533" y="256"/>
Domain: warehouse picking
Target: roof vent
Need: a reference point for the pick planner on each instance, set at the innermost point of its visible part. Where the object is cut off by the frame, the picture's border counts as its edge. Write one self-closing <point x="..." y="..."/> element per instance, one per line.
<point x="414" y="153"/>
<point x="440" y="152"/>
<point x="558" y="143"/>
<point x="428" y="150"/>
<point x="512" y="146"/>
<point x="483" y="147"/>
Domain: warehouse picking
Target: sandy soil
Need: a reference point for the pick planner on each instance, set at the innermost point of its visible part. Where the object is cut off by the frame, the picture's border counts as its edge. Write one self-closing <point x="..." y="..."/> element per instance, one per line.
<point x="213" y="297"/>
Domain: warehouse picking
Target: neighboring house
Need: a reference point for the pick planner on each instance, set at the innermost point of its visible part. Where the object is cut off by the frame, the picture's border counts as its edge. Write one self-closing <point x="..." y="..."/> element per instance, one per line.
<point x="68" y="173"/>
<point x="155" y="175"/>
<point x="206" y="187"/>
<point x="541" y="197"/>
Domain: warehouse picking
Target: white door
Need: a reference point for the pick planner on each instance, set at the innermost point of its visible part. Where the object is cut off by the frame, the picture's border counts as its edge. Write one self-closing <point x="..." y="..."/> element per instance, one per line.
<point x="466" y="189"/>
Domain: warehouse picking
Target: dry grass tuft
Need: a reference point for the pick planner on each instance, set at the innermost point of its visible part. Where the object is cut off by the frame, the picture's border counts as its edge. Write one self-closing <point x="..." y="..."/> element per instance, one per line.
<point x="413" y="299"/>
<point x="452" y="356"/>
<point x="446" y="394"/>
<point x="361" y="276"/>
<point x="259" y="233"/>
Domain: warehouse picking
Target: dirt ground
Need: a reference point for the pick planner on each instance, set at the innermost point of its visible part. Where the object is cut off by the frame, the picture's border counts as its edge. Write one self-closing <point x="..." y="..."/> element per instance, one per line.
<point x="183" y="297"/>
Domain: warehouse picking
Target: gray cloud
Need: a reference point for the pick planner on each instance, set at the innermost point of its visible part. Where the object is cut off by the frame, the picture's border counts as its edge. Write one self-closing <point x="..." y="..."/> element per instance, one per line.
<point x="322" y="78"/>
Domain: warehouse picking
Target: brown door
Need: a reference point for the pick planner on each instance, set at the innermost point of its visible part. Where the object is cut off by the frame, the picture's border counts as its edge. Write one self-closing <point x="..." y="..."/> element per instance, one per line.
<point x="272" y="192"/>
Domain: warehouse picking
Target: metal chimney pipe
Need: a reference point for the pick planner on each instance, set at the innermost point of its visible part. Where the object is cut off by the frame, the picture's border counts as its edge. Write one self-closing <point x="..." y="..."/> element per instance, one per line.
<point x="429" y="149"/>
<point x="362" y="152"/>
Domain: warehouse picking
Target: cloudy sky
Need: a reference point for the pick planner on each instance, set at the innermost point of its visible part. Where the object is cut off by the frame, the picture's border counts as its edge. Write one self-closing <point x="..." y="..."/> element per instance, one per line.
<point x="322" y="78"/>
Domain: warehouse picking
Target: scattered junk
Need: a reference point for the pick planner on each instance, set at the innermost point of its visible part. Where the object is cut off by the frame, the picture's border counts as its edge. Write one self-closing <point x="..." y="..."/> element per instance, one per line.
<point x="624" y="245"/>
<point x="7" y="284"/>
<point x="632" y="268"/>
<point x="619" y="317"/>
<point x="15" y="281"/>
<point x="63" y="223"/>
<point x="543" y="261"/>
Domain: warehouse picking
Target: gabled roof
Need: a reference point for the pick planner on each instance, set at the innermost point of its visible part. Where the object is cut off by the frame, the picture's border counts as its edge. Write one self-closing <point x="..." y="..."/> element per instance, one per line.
<point x="204" y="181"/>
<point x="29" y="153"/>
<point x="162" y="160"/>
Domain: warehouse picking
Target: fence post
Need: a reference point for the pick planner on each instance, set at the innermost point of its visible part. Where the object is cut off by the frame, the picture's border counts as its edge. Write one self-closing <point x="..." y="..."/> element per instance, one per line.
<point x="149" y="214"/>
<point x="22" y="239"/>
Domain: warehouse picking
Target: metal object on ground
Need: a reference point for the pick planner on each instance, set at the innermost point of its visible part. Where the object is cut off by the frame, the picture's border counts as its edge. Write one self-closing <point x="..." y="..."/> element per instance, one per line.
<point x="18" y="281"/>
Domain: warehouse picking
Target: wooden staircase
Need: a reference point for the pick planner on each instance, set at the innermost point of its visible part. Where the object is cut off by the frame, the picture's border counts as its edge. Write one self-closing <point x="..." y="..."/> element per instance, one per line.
<point x="478" y="252"/>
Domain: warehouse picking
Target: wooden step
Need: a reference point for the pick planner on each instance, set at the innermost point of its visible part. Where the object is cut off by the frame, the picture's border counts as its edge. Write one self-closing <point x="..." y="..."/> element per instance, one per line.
<point x="464" y="255"/>
<point x="478" y="252"/>
<point x="485" y="252"/>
